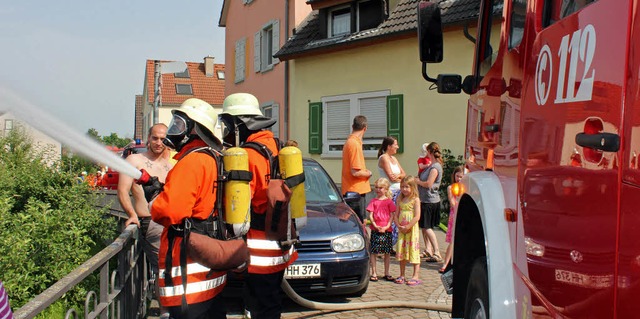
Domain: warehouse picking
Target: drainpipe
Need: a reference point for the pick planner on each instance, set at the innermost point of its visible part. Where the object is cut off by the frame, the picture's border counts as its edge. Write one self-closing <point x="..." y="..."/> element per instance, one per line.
<point x="286" y="73"/>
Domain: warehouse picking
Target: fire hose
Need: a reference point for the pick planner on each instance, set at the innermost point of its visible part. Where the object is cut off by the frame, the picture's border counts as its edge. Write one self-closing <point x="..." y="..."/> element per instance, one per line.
<point x="360" y="305"/>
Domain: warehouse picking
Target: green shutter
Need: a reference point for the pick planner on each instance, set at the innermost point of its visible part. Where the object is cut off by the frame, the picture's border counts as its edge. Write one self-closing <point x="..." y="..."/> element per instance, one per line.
<point x="395" y="122"/>
<point x="315" y="128"/>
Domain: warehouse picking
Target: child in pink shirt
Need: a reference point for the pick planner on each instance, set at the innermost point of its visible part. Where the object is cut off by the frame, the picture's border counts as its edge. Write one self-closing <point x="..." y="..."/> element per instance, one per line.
<point x="381" y="210"/>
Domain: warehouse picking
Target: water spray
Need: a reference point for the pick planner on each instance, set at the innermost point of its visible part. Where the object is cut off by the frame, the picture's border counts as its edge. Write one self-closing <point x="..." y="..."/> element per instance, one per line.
<point x="56" y="129"/>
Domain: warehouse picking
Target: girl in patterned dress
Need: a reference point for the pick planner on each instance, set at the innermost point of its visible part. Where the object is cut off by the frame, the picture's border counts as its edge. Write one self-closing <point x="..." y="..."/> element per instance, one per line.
<point x="380" y="211"/>
<point x="406" y="217"/>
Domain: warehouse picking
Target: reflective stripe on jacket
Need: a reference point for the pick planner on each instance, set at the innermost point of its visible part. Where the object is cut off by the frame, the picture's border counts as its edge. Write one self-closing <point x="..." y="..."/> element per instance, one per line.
<point x="189" y="192"/>
<point x="266" y="255"/>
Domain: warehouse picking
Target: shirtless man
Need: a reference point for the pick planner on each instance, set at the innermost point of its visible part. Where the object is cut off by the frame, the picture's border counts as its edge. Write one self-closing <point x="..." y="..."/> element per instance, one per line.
<point x="156" y="162"/>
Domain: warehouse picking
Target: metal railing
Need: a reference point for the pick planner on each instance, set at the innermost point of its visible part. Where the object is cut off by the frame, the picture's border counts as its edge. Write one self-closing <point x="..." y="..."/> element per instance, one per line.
<point x="122" y="293"/>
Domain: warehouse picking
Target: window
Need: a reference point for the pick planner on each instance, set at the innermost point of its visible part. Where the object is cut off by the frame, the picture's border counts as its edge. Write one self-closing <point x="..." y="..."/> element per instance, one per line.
<point x="358" y="16"/>
<point x="272" y="110"/>
<point x="184" y="89"/>
<point x="555" y="10"/>
<point x="330" y="121"/>
<point x="184" y="74"/>
<point x="266" y="43"/>
<point x="220" y="75"/>
<point x="239" y="60"/>
<point x="370" y="14"/>
<point x="518" y="12"/>
<point x="340" y="22"/>
<point x="487" y="50"/>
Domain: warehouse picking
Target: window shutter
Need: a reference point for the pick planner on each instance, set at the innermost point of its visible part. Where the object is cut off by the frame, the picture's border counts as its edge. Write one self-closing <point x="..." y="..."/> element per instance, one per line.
<point x="338" y="120"/>
<point x="275" y="39"/>
<point x="315" y="128"/>
<point x="275" y="114"/>
<point x="256" y="51"/>
<point x="239" y="61"/>
<point x="374" y="108"/>
<point x="395" y="119"/>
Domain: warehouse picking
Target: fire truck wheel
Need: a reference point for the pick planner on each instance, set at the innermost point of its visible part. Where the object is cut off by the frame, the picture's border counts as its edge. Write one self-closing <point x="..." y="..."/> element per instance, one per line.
<point x="477" y="301"/>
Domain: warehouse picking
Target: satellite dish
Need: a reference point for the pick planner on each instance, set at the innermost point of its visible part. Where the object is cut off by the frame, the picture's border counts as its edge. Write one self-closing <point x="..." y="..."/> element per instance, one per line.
<point x="173" y="67"/>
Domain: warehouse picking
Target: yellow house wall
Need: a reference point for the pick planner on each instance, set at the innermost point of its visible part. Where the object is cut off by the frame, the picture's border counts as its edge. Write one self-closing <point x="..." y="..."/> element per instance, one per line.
<point x="394" y="66"/>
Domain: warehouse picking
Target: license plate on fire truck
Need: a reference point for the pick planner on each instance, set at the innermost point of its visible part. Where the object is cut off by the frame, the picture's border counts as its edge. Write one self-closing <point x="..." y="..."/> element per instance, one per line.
<point x="582" y="280"/>
<point x="296" y="271"/>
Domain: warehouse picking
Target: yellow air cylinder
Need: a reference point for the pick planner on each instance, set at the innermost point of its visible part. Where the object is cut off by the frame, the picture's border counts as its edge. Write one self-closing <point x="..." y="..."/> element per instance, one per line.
<point x="237" y="193"/>
<point x="290" y="160"/>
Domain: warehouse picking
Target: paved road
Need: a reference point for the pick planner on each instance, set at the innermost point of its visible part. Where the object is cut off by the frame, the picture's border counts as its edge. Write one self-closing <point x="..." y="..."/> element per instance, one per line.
<point x="430" y="291"/>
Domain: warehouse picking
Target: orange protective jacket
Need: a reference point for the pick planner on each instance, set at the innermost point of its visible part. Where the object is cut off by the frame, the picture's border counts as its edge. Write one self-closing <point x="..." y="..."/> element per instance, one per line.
<point x="266" y="255"/>
<point x="189" y="192"/>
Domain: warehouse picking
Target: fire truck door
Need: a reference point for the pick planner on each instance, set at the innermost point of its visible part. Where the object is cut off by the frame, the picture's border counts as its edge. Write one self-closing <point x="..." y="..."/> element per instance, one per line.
<point x="628" y="267"/>
<point x="571" y="125"/>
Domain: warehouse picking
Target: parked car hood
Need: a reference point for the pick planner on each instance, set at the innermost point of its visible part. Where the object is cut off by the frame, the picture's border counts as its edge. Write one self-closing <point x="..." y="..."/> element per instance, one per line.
<point x="326" y="221"/>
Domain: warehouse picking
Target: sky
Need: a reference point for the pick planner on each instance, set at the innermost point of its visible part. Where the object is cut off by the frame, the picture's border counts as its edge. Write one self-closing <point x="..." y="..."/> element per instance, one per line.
<point x="83" y="62"/>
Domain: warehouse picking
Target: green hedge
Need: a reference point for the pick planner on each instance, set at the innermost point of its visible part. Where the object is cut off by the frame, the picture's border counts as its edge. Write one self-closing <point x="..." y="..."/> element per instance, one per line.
<point x="48" y="222"/>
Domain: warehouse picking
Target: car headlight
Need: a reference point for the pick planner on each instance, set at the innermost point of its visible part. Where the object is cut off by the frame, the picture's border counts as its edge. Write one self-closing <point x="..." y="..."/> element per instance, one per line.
<point x="348" y="243"/>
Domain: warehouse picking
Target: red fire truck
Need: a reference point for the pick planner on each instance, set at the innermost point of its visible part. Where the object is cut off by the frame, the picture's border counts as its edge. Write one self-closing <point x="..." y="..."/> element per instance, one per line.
<point x="548" y="225"/>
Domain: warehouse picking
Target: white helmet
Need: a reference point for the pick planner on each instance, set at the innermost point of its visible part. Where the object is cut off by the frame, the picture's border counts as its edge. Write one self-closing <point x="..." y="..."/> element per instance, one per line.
<point x="196" y="111"/>
<point x="241" y="104"/>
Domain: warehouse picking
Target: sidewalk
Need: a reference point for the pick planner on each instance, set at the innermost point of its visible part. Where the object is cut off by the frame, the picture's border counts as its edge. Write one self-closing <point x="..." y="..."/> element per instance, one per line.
<point x="430" y="291"/>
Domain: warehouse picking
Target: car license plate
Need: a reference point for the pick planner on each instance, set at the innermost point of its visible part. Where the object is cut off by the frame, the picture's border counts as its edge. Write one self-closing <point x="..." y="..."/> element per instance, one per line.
<point x="302" y="271"/>
<point x="582" y="280"/>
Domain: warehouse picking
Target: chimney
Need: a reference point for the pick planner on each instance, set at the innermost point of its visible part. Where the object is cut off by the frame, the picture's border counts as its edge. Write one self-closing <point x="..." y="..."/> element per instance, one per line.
<point x="208" y="66"/>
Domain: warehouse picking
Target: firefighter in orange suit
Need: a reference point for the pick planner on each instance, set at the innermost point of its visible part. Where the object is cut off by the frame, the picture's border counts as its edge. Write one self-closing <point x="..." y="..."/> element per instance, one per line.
<point x="189" y="192"/>
<point x="244" y="122"/>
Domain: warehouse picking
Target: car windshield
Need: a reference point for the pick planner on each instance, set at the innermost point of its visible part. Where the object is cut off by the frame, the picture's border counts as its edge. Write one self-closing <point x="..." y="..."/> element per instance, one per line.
<point x="318" y="186"/>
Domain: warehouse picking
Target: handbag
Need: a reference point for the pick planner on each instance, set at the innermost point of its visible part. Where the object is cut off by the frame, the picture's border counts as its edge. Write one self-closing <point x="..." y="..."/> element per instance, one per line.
<point x="447" y="281"/>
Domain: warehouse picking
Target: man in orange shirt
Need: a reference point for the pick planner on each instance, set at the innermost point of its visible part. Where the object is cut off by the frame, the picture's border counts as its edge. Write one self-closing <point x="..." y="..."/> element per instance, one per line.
<point x="245" y="122"/>
<point x="355" y="175"/>
<point x="189" y="290"/>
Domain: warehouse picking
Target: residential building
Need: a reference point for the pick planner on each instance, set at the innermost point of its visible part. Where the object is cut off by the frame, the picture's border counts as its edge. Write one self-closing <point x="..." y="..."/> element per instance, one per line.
<point x="200" y="80"/>
<point x="138" y="118"/>
<point x="51" y="148"/>
<point x="351" y="57"/>
<point x="254" y="31"/>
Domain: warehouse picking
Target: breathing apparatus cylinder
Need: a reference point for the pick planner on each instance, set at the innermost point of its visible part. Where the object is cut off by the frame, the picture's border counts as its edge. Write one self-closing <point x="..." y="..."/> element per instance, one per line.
<point x="290" y="160"/>
<point x="237" y="192"/>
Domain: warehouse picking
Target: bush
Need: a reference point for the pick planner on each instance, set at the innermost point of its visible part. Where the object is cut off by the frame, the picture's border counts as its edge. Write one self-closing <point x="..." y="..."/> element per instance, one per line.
<point x="48" y="222"/>
<point x="450" y="162"/>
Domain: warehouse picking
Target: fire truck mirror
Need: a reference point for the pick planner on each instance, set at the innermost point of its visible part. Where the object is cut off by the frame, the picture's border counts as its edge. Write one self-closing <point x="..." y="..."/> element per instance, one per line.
<point x="430" y="32"/>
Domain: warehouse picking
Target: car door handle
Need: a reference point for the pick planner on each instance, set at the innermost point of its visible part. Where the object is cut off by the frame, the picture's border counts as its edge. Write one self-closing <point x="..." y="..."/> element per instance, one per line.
<point x="606" y="142"/>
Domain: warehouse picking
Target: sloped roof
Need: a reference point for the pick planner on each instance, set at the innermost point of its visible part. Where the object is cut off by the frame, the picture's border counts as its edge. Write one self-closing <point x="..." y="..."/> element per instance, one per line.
<point x="402" y="21"/>
<point x="209" y="89"/>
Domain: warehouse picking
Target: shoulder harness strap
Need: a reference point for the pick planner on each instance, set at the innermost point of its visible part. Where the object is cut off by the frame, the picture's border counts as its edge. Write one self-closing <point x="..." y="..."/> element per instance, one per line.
<point x="274" y="166"/>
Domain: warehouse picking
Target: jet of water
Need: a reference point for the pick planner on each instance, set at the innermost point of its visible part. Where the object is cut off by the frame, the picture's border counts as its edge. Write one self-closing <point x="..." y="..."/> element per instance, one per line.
<point x="56" y="129"/>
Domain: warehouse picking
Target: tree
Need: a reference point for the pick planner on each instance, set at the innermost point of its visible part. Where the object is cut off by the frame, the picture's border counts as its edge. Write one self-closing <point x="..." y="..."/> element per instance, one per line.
<point x="113" y="139"/>
<point x="93" y="133"/>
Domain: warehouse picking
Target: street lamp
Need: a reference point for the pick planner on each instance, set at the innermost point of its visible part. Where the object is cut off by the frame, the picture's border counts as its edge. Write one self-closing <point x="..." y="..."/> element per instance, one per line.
<point x="163" y="68"/>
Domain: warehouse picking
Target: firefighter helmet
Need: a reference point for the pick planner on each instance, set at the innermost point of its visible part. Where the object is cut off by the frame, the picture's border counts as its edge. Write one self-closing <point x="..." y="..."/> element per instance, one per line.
<point x="198" y="114"/>
<point x="241" y="115"/>
<point x="241" y="104"/>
